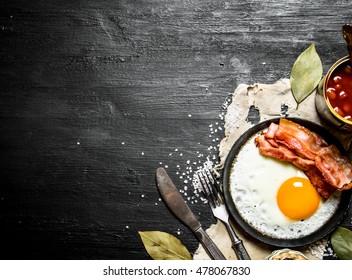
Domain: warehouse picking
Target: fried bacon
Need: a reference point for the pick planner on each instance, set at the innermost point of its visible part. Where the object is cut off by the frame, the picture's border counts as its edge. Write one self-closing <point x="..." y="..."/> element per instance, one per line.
<point x="323" y="164"/>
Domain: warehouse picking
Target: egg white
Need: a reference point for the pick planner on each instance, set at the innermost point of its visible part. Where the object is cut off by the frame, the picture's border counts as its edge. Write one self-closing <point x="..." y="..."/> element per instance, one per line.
<point x="254" y="182"/>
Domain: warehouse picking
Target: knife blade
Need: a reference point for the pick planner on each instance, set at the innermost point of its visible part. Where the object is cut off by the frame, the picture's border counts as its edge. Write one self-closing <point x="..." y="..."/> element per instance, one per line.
<point x="180" y="209"/>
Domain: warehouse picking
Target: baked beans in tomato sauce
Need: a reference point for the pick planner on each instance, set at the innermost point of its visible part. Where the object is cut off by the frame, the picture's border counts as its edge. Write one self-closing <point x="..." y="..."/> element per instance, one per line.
<point x="339" y="90"/>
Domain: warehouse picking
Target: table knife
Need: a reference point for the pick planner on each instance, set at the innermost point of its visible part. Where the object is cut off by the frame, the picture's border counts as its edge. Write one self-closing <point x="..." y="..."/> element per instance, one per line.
<point x="180" y="209"/>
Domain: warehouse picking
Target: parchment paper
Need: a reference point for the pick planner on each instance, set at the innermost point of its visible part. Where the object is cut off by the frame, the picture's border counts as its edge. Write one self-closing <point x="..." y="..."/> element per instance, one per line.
<point x="272" y="101"/>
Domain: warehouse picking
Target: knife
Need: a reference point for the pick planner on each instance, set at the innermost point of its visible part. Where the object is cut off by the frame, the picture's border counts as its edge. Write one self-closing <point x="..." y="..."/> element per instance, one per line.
<point x="180" y="209"/>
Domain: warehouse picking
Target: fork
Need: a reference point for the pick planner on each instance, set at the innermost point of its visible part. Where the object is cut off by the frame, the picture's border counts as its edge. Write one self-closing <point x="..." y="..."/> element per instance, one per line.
<point x="212" y="192"/>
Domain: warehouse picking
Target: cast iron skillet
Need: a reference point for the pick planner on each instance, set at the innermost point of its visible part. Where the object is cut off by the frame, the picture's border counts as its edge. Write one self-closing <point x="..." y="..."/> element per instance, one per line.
<point x="326" y="229"/>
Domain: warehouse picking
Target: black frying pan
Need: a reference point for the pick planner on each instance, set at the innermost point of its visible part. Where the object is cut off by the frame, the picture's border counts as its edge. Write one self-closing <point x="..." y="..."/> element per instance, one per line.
<point x="326" y="229"/>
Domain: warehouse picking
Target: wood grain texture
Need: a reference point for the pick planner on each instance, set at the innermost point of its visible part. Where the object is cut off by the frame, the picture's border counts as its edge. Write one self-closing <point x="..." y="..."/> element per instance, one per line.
<point x="95" y="94"/>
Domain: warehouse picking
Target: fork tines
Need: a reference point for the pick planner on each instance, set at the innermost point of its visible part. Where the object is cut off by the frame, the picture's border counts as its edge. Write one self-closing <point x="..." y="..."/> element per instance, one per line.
<point x="209" y="187"/>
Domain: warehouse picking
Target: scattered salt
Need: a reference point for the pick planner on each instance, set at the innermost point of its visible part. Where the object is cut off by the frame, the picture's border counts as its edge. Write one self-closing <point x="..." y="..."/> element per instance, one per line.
<point x="190" y="189"/>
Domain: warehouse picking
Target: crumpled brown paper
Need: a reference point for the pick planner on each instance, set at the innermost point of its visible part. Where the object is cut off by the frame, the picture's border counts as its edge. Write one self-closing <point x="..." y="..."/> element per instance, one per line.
<point x="269" y="99"/>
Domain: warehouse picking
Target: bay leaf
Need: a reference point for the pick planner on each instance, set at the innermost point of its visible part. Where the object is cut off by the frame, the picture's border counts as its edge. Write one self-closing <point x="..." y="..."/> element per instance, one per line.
<point x="164" y="246"/>
<point x="341" y="241"/>
<point x="306" y="74"/>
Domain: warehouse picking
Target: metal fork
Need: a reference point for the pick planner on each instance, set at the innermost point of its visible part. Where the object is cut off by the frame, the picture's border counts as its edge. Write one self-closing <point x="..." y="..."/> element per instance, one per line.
<point x="211" y="189"/>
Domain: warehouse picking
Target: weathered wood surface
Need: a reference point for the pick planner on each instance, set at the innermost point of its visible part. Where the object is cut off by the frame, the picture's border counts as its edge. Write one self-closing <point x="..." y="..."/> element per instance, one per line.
<point x="95" y="94"/>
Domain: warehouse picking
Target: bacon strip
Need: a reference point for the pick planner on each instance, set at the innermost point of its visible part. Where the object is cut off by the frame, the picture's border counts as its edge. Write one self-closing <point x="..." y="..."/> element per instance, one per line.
<point x="281" y="152"/>
<point x="298" y="138"/>
<point x="318" y="181"/>
<point x="336" y="169"/>
<point x="323" y="164"/>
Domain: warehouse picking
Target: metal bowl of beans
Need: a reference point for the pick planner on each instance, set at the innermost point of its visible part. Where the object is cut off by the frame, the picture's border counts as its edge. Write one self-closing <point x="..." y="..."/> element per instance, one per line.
<point x="334" y="95"/>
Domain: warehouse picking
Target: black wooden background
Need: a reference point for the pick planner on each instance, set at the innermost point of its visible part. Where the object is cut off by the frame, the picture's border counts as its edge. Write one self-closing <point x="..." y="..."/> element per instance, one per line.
<point x="95" y="95"/>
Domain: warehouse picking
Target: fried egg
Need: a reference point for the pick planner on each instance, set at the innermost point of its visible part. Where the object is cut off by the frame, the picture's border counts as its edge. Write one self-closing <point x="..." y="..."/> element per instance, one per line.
<point x="275" y="197"/>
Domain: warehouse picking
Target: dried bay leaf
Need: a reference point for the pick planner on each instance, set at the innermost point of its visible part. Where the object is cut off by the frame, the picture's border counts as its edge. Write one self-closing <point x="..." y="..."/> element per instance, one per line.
<point x="164" y="246"/>
<point x="341" y="241"/>
<point x="306" y="74"/>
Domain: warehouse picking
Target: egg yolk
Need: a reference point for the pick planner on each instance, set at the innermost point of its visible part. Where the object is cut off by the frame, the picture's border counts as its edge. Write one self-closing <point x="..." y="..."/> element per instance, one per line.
<point x="297" y="198"/>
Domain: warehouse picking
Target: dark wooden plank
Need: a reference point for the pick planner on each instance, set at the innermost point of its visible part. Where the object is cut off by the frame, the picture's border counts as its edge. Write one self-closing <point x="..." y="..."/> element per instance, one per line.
<point x="96" y="95"/>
